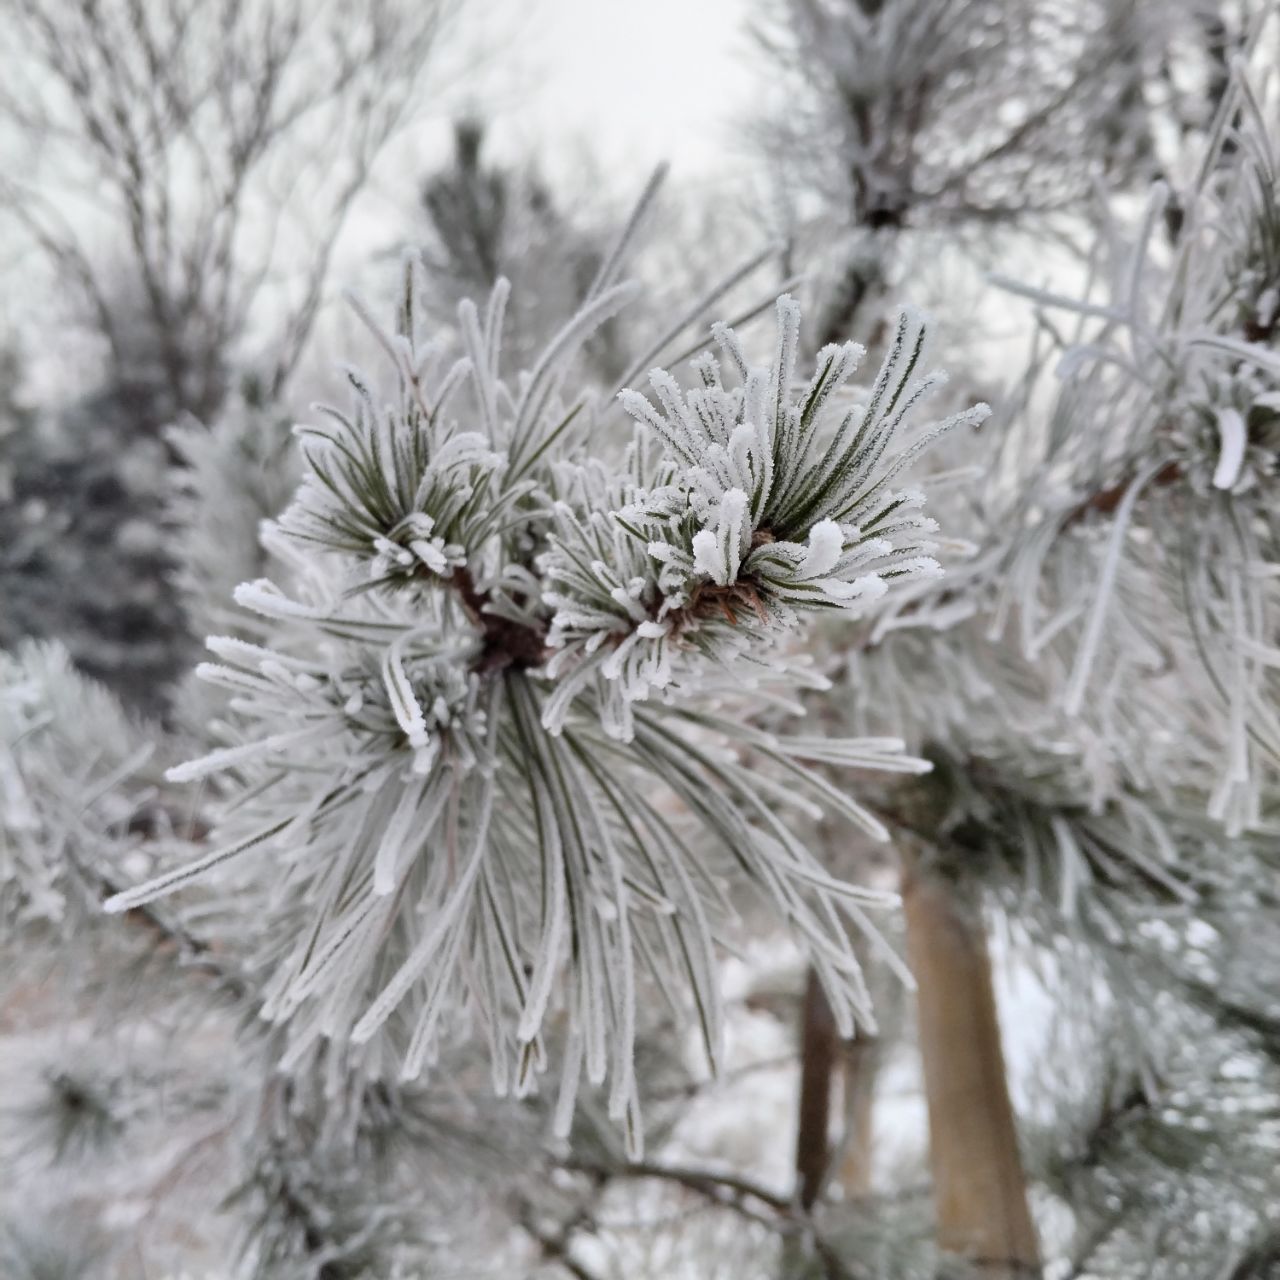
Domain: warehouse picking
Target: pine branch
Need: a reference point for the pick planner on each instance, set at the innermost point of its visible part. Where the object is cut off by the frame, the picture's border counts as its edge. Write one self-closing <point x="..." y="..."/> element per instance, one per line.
<point x="555" y="1244"/>
<point x="193" y="953"/>
<point x="506" y="643"/>
<point x="708" y="1182"/>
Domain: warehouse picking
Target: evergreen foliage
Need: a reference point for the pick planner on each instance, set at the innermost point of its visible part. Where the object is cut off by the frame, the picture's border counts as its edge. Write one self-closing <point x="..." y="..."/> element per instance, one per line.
<point x="555" y="718"/>
<point x="463" y="673"/>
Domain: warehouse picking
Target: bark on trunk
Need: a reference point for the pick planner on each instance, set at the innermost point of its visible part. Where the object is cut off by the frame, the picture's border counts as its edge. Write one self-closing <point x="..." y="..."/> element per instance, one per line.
<point x="819" y="1049"/>
<point x="979" y="1187"/>
<point x="819" y="1054"/>
<point x="859" y="1066"/>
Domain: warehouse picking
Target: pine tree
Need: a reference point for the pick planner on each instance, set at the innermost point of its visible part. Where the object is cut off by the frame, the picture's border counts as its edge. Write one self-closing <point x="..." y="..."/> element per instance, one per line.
<point x="528" y="702"/>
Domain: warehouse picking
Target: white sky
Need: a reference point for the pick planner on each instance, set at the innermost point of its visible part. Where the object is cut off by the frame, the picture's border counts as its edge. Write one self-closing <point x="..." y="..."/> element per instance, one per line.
<point x="629" y="83"/>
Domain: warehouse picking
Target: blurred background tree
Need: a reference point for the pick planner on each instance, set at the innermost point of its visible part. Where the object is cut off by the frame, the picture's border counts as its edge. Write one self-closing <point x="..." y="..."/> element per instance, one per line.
<point x="217" y="147"/>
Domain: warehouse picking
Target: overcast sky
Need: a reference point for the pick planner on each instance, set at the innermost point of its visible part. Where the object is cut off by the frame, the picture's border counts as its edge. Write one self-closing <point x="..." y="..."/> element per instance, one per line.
<point x="627" y="83"/>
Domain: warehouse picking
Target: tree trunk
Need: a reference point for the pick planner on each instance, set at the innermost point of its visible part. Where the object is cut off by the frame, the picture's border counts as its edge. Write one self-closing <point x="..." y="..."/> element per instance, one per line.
<point x="979" y="1188"/>
<point x="819" y="1054"/>
<point x="819" y="1049"/>
<point x="859" y="1066"/>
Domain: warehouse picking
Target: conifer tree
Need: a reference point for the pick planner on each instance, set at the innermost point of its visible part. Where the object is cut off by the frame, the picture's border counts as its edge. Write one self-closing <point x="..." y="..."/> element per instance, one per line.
<point x="528" y="702"/>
